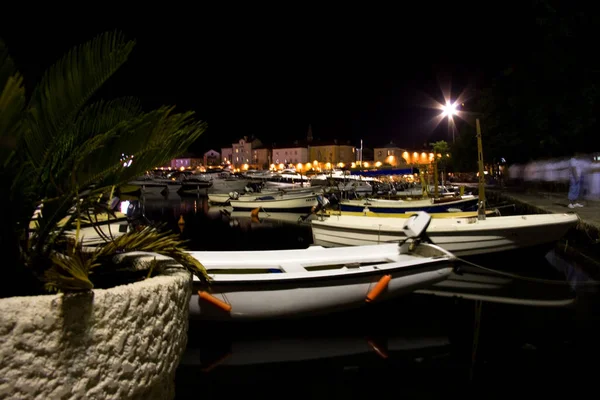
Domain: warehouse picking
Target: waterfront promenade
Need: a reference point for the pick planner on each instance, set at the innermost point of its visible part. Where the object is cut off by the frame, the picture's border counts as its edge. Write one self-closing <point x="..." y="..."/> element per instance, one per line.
<point x="541" y="201"/>
<point x="583" y="244"/>
<point x="551" y="203"/>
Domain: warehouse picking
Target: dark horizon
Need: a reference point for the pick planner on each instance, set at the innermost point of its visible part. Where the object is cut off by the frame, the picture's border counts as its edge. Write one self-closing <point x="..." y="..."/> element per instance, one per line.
<point x="365" y="86"/>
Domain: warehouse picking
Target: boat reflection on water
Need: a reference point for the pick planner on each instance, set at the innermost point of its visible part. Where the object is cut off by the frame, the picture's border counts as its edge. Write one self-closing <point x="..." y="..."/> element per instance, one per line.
<point x="263" y="216"/>
<point x="294" y="349"/>
<point x="499" y="287"/>
<point x="257" y="220"/>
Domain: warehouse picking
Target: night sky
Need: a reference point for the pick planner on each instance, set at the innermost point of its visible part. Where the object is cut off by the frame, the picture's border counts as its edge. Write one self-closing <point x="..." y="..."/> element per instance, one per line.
<point x="351" y="76"/>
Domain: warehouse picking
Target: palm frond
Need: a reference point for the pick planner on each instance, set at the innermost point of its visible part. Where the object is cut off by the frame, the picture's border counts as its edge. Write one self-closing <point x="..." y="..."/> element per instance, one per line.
<point x="70" y="272"/>
<point x="12" y="103"/>
<point x="96" y="119"/>
<point x="150" y="239"/>
<point x="152" y="141"/>
<point x="68" y="85"/>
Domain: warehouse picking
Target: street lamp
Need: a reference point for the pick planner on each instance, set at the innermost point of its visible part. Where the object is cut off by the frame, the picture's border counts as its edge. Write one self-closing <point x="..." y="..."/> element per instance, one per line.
<point x="449" y="110"/>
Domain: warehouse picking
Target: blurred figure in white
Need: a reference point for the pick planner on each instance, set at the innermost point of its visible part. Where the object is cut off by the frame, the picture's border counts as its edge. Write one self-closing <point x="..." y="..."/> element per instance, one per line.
<point x="577" y="166"/>
<point x="593" y="179"/>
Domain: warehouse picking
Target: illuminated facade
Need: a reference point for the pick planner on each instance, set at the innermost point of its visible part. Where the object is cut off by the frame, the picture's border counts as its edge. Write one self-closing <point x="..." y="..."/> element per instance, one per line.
<point x="290" y="155"/>
<point x="226" y="154"/>
<point x="389" y="155"/>
<point x="212" y="158"/>
<point x="334" y="154"/>
<point x="240" y="154"/>
<point x="261" y="158"/>
<point x="186" y="162"/>
<point x="418" y="157"/>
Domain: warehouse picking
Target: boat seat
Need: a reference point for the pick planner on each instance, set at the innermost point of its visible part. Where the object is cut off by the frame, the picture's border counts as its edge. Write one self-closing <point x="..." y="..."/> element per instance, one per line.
<point x="293" y="267"/>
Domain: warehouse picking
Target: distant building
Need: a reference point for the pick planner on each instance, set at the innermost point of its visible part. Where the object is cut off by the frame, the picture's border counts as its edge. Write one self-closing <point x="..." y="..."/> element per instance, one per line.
<point x="261" y="158"/>
<point x="418" y="157"/>
<point x="240" y="155"/>
<point x="390" y="154"/>
<point x="187" y="161"/>
<point x="212" y="158"/>
<point x="226" y="155"/>
<point x="332" y="154"/>
<point x="290" y="153"/>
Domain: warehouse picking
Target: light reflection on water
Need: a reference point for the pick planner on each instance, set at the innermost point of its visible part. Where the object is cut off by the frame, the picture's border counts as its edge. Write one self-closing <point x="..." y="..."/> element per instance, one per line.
<point x="502" y="332"/>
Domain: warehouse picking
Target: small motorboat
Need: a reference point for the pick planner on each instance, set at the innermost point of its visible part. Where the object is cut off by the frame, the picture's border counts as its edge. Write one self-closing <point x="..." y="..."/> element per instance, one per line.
<point x="445" y="204"/>
<point x="269" y="203"/>
<point x="461" y="236"/>
<point x="298" y="283"/>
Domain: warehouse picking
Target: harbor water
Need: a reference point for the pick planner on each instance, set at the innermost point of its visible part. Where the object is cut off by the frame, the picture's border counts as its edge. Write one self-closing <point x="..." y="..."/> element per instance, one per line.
<point x="537" y="335"/>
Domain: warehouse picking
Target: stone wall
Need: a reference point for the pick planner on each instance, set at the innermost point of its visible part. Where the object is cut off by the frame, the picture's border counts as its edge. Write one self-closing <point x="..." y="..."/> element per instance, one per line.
<point x="119" y="343"/>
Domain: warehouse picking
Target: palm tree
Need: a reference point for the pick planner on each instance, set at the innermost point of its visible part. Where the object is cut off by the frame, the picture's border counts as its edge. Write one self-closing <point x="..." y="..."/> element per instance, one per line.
<point x="62" y="152"/>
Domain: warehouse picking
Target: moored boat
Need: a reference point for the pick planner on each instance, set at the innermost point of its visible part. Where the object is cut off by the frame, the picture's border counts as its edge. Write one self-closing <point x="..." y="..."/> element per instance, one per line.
<point x="448" y="214"/>
<point x="460" y="203"/>
<point x="312" y="281"/>
<point x="461" y="236"/>
<point x="301" y="203"/>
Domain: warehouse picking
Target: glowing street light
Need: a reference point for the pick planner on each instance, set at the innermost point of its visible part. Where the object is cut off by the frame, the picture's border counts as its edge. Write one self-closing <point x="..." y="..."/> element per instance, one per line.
<point x="449" y="110"/>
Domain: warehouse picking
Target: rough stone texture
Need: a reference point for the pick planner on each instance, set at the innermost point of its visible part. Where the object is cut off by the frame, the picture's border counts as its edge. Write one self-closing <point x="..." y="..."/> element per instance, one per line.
<point x="119" y="343"/>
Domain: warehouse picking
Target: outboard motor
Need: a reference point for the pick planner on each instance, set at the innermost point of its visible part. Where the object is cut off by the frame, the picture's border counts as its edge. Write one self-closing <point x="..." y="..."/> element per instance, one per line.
<point x="415" y="229"/>
<point x="234" y="195"/>
<point x="135" y="215"/>
<point x="323" y="203"/>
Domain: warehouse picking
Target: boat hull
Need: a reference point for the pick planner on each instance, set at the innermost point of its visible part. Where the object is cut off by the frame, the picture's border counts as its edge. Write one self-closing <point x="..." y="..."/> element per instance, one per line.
<point x="458" y="214"/>
<point x="295" y="204"/>
<point x="255" y="301"/>
<point x="307" y="282"/>
<point x="452" y="235"/>
<point x="408" y="206"/>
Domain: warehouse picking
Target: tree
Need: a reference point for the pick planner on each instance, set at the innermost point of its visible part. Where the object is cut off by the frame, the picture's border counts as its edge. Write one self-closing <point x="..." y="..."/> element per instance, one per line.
<point x="464" y="150"/>
<point x="545" y="105"/>
<point x="59" y="154"/>
<point x="443" y="149"/>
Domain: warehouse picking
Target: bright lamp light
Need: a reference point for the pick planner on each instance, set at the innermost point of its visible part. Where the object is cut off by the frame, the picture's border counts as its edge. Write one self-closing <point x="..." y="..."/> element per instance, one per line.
<point x="449" y="109"/>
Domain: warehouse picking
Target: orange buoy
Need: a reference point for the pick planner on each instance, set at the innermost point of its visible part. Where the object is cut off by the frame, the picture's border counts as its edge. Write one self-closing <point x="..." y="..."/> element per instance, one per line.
<point x="377" y="349"/>
<point x="181" y="220"/>
<point x="212" y="299"/>
<point x="379" y="287"/>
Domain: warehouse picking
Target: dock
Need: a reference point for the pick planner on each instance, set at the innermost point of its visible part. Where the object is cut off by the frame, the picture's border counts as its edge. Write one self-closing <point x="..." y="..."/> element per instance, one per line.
<point x="550" y="203"/>
<point x="582" y="244"/>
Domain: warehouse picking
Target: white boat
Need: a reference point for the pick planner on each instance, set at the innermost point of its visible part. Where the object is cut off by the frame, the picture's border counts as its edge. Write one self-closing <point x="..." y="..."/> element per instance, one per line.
<point x="275" y="203"/>
<point x="225" y="198"/>
<point x="286" y="179"/>
<point x="312" y="281"/>
<point x="220" y="182"/>
<point x="462" y="203"/>
<point x="460" y="236"/>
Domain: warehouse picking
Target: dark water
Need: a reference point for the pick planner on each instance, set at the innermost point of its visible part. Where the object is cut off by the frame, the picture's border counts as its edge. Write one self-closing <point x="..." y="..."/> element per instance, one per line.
<point x="420" y="345"/>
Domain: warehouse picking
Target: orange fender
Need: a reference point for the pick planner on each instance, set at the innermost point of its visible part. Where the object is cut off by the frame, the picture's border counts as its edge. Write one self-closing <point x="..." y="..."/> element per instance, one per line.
<point x="212" y="299"/>
<point x="379" y="287"/>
